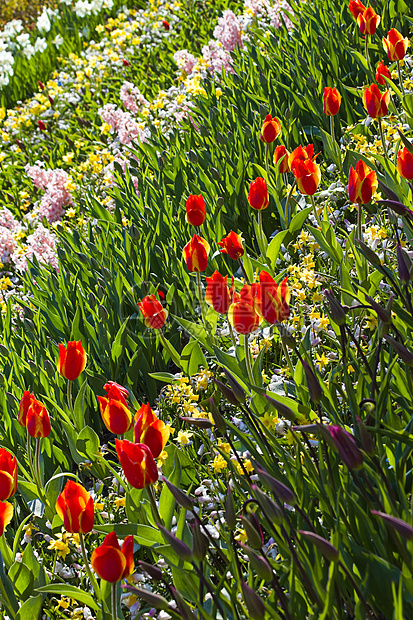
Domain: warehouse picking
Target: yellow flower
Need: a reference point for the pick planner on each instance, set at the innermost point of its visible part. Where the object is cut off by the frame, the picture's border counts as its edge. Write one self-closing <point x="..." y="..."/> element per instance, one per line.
<point x="242" y="536"/>
<point x="270" y="421"/>
<point x="68" y="158"/>
<point x="322" y="360"/>
<point x="120" y="502"/>
<point x="219" y="463"/>
<point x="184" y="437"/>
<point x="71" y="212"/>
<point x="60" y="546"/>
<point x="162" y="458"/>
<point x="218" y="93"/>
<point x="222" y="445"/>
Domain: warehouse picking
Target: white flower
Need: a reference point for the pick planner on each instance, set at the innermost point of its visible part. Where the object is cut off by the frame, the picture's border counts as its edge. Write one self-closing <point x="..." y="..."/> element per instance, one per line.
<point x="58" y="40"/>
<point x="40" y="45"/>
<point x="43" y="21"/>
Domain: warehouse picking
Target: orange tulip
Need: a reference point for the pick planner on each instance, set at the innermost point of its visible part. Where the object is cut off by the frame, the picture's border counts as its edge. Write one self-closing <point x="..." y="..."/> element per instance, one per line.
<point x="242" y="313"/>
<point x="232" y="245"/>
<point x="258" y="194"/>
<point x="281" y="153"/>
<point x="300" y="153"/>
<point x="308" y="176"/>
<point x="362" y="183"/>
<point x="37" y="420"/>
<point x="25" y="403"/>
<point x="272" y="301"/>
<point x="6" y="514"/>
<point x="72" y="361"/>
<point x="150" y="430"/>
<point x="8" y="474"/>
<point x="368" y="21"/>
<point x="196" y="254"/>
<point x="116" y="391"/>
<point x="376" y="102"/>
<point x="217" y="294"/>
<point x="381" y="71"/>
<point x="331" y="101"/>
<point x="405" y="164"/>
<point x="271" y="129"/>
<point x="111" y="562"/>
<point x="115" y="415"/>
<point x="195" y="210"/>
<point x="137" y="463"/>
<point x="153" y="312"/>
<point x="356" y="8"/>
<point x="395" y="45"/>
<point x="75" y="506"/>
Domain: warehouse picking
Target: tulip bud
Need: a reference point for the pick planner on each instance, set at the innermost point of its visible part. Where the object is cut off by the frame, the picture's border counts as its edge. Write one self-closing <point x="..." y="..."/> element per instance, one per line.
<point x="324" y="546"/>
<point x="153" y="571"/>
<point x="254" y="603"/>
<point x="199" y="542"/>
<point x="278" y="488"/>
<point x="405" y="355"/>
<point x="366" y="439"/>
<point x="381" y="312"/>
<point x="220" y="201"/>
<point x="230" y="517"/>
<point x="49" y="368"/>
<point x="134" y="232"/>
<point x="103" y="313"/>
<point x="370" y="255"/>
<point x="215" y="174"/>
<point x="403" y="265"/>
<point x="270" y="509"/>
<point x="198" y="422"/>
<point x="181" y="549"/>
<point x="345" y="445"/>
<point x="404" y="529"/>
<point x="282" y="410"/>
<point x="258" y="563"/>
<point x="313" y="383"/>
<point x="238" y="391"/>
<point x="337" y="312"/>
<point x="181" y="497"/>
<point x="4" y="351"/>
<point x="218" y="418"/>
<point x="253" y="530"/>
<point x="154" y="600"/>
<point x="227" y="392"/>
<point x="41" y="85"/>
<point x="193" y="156"/>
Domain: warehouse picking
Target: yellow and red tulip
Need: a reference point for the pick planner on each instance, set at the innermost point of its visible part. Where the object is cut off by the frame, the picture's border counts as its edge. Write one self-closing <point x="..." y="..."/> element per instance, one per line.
<point x="6" y="515"/>
<point x="281" y="153"/>
<point x="405" y="164"/>
<point x="72" y="360"/>
<point x="307" y="175"/>
<point x="271" y="129"/>
<point x="232" y="245"/>
<point x="381" y="72"/>
<point x="356" y="8"/>
<point x="25" y="402"/>
<point x="258" y="194"/>
<point x="115" y="415"/>
<point x="217" y="294"/>
<point x="114" y="390"/>
<point x="376" y="102"/>
<point x="153" y="312"/>
<point x="111" y="562"/>
<point x="272" y="301"/>
<point x="331" y="101"/>
<point x="37" y="420"/>
<point x="8" y="474"/>
<point x="150" y="430"/>
<point x="137" y="463"/>
<point x="362" y="183"/>
<point x="195" y="210"/>
<point x="368" y="21"/>
<point x="75" y="506"/>
<point x="196" y="254"/>
<point x="242" y="313"/>
<point x="301" y="153"/>
<point x="395" y="45"/>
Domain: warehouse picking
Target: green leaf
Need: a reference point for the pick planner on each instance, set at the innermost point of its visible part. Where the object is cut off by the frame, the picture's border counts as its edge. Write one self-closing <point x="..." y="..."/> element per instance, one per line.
<point x="76" y="593"/>
<point x="87" y="443"/>
<point x="192" y="357"/>
<point x="166" y="377"/>
<point x="78" y="408"/>
<point x="145" y="535"/>
<point x="30" y="610"/>
<point x="274" y="247"/>
<point x="7" y="596"/>
<point x="22" y="579"/>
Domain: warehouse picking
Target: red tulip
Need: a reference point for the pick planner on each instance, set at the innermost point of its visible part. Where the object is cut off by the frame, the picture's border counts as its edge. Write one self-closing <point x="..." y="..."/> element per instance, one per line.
<point x="308" y="176"/>
<point x="270" y="129"/>
<point x="196" y="254"/>
<point x="125" y="62"/>
<point x="150" y="430"/>
<point x="115" y="415"/>
<point x="42" y="125"/>
<point x="195" y="210"/>
<point x="356" y="8"/>
<point x="395" y="45"/>
<point x="25" y="403"/>
<point x="376" y="102"/>
<point x="165" y="24"/>
<point x="116" y="391"/>
<point x="368" y="21"/>
<point x="153" y="312"/>
<point x="242" y="313"/>
<point x="405" y="164"/>
<point x="8" y="474"/>
<point x="232" y="245"/>
<point x="6" y="514"/>
<point x="362" y="183"/>
<point x="273" y="299"/>
<point x="72" y="361"/>
<point x="282" y="153"/>
<point x="301" y="153"/>
<point x="381" y="71"/>
<point x="137" y="463"/>
<point x="75" y="506"/>
<point x="111" y="562"/>
<point x="37" y="420"/>
<point x="331" y="101"/>
<point x="217" y="294"/>
<point x="258" y="194"/>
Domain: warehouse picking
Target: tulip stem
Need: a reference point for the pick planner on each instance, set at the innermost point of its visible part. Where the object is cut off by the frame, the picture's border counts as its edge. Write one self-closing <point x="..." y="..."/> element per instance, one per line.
<point x="69" y="399"/>
<point x="87" y="566"/>
<point x="383" y="141"/>
<point x="317" y="217"/>
<point x="200" y="296"/>
<point x="37" y="464"/>
<point x="366" y="49"/>
<point x="332" y="127"/>
<point x="29" y="454"/>
<point x="243" y="271"/>
<point x="152" y="500"/>
<point x="287" y="204"/>
<point x="266" y="160"/>
<point x="288" y="358"/>
<point x="114" y="606"/>
<point x="261" y="238"/>
<point x="231" y="331"/>
<point x="248" y="359"/>
<point x="400" y="78"/>
<point x="359" y="223"/>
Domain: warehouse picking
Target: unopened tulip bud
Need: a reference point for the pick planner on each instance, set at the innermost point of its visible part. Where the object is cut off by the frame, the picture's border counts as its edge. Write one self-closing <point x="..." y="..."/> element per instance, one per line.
<point x="181" y="497"/>
<point x="198" y="422"/>
<point x="134" y="232"/>
<point x="230" y="517"/>
<point x="227" y="392"/>
<point x="324" y="546"/>
<point x="49" y="368"/>
<point x="337" y="312"/>
<point x="278" y="488"/>
<point x="199" y="542"/>
<point x="238" y="391"/>
<point x="258" y="563"/>
<point x="403" y="352"/>
<point x="270" y="509"/>
<point x="181" y="549"/>
<point x="404" y="529"/>
<point x="313" y="383"/>
<point x="370" y="255"/>
<point x="366" y="439"/>
<point x="218" y="418"/>
<point x="283" y="410"/>
<point x="253" y="530"/>
<point x="154" y="600"/>
<point x="345" y="445"/>
<point x="153" y="571"/>
<point x="403" y="265"/>
<point x="253" y="601"/>
<point x="383" y="314"/>
<point x="41" y="85"/>
<point x="103" y="313"/>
